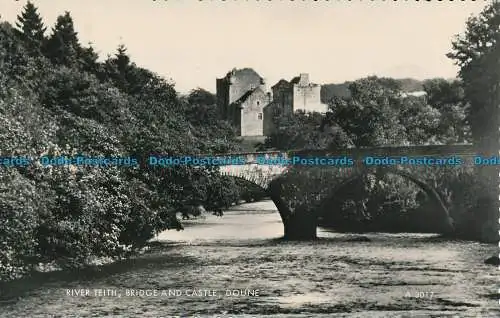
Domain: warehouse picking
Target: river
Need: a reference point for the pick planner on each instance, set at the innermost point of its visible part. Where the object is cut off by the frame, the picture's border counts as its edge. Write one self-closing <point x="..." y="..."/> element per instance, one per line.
<point x="340" y="275"/>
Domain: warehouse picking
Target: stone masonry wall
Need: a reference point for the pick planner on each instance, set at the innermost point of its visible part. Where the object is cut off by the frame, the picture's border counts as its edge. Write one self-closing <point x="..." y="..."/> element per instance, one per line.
<point x="242" y="84"/>
<point x="307" y="98"/>
<point x="252" y="117"/>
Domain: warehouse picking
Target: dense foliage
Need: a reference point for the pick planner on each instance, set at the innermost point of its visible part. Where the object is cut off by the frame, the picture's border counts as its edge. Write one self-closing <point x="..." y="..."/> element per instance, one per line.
<point x="57" y="98"/>
<point x="377" y="111"/>
<point x="477" y="52"/>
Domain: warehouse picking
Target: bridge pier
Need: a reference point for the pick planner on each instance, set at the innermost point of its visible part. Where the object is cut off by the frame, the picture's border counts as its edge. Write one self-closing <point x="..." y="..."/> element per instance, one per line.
<point x="300" y="226"/>
<point x="487" y="213"/>
<point x="297" y="222"/>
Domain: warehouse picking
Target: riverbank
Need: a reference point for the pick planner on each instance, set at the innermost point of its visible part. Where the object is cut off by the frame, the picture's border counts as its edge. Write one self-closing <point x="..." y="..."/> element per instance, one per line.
<point x="335" y="276"/>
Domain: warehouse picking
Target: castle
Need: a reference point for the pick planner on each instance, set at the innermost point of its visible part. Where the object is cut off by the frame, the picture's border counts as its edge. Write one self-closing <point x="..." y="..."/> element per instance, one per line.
<point x="244" y="100"/>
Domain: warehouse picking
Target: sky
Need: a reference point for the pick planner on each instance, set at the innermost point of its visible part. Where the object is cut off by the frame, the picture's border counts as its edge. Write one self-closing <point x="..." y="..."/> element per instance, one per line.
<point x="195" y="42"/>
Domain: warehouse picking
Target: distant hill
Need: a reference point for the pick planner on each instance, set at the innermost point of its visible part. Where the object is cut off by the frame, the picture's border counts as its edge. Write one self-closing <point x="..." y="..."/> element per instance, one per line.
<point x="328" y="91"/>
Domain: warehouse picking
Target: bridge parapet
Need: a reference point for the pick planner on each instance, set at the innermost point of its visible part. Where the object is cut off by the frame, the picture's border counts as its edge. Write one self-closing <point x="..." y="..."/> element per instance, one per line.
<point x="462" y="150"/>
<point x="252" y="158"/>
<point x="465" y="150"/>
<point x="261" y="167"/>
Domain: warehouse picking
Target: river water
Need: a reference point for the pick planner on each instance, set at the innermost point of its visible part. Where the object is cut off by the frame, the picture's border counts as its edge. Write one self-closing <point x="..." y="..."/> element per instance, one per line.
<point x="340" y="275"/>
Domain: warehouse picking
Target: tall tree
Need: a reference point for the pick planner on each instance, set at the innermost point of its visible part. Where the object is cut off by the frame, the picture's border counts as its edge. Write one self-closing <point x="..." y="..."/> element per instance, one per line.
<point x="31" y="28"/>
<point x="15" y="63"/>
<point x="63" y="47"/>
<point x="477" y="53"/>
<point x="122" y="59"/>
<point x="118" y="69"/>
<point x="89" y="60"/>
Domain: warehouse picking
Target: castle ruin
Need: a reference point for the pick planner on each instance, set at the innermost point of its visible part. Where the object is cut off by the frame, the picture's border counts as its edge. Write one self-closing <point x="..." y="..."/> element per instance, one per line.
<point x="243" y="99"/>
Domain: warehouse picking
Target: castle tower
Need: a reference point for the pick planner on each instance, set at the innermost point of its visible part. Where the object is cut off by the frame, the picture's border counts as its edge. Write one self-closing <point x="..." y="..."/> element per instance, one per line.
<point x="303" y="79"/>
<point x="241" y="96"/>
<point x="306" y="95"/>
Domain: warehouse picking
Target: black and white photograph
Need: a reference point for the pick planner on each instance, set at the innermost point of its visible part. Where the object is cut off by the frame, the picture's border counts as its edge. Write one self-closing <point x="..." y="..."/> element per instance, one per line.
<point x="251" y="158"/>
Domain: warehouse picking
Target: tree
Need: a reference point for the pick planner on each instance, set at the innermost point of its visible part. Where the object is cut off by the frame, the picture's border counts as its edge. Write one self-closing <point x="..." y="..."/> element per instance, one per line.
<point x="89" y="60"/>
<point x="32" y="28"/>
<point x="82" y="94"/>
<point x="448" y="98"/>
<point x="201" y="96"/>
<point x="370" y="115"/>
<point x="441" y="92"/>
<point x="477" y="53"/>
<point x="118" y="68"/>
<point x="15" y="62"/>
<point x="63" y="47"/>
<point x="421" y="121"/>
<point x="18" y="223"/>
<point x="122" y="60"/>
<point x="206" y="123"/>
<point x="306" y="131"/>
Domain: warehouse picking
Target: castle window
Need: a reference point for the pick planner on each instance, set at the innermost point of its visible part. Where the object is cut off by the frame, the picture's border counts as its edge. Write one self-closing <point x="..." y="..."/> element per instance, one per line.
<point x="259" y="116"/>
<point x="258" y="103"/>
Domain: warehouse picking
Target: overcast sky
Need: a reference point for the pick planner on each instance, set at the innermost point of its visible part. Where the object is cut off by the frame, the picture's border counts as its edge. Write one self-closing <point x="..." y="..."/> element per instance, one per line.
<point x="194" y="42"/>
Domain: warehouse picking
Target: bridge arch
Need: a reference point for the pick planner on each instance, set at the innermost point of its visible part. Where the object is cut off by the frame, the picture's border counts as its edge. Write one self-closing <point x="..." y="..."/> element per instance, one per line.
<point x="429" y="190"/>
<point x="263" y="178"/>
<point x="259" y="175"/>
<point x="250" y="181"/>
<point x="250" y="191"/>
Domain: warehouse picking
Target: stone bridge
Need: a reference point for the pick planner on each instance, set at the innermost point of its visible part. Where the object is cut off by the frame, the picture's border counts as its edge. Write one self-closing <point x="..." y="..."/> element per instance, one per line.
<point x="261" y="168"/>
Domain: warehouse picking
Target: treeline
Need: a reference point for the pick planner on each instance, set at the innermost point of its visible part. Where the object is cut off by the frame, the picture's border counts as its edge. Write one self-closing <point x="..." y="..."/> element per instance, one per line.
<point x="57" y="98"/>
<point x="408" y="85"/>
<point x="376" y="111"/>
